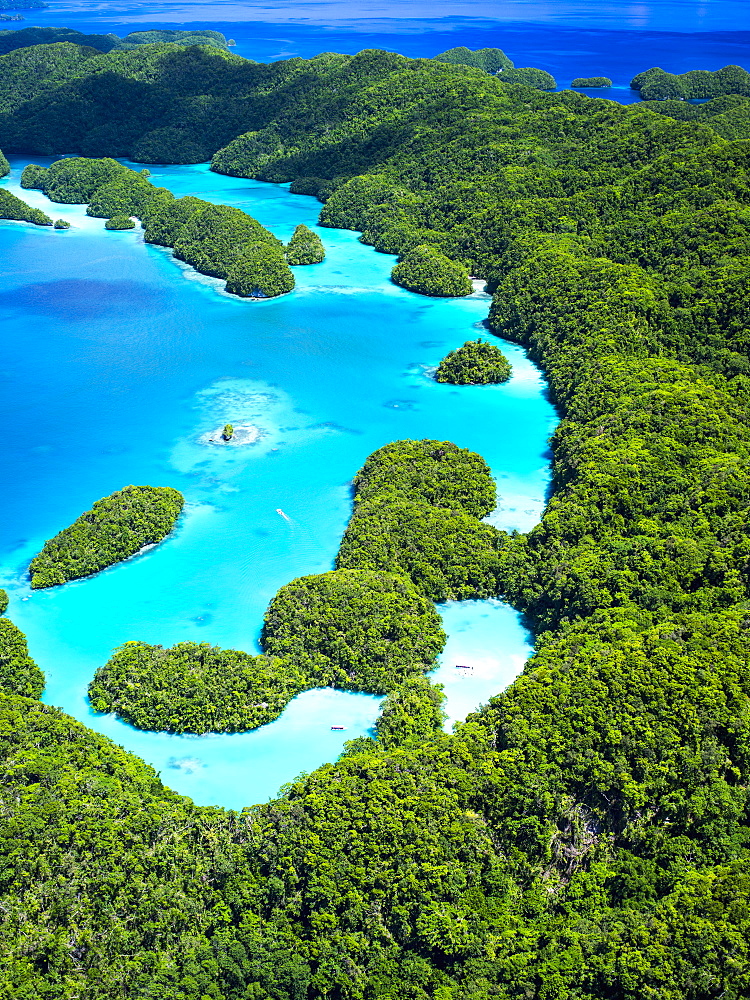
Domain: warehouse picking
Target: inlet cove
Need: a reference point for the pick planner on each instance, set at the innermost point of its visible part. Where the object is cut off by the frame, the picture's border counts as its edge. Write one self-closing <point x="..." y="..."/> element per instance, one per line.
<point x="324" y="377"/>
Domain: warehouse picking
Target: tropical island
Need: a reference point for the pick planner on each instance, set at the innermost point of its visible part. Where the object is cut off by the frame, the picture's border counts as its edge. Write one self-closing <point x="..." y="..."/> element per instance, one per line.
<point x="476" y="363"/>
<point x="216" y="240"/>
<point x="418" y="509"/>
<point x="699" y="84"/>
<point x="25" y="37"/>
<point x="115" y="528"/>
<point x="591" y="82"/>
<point x="193" y="687"/>
<point x="369" y="625"/>
<point x="428" y="271"/>
<point x="582" y="836"/>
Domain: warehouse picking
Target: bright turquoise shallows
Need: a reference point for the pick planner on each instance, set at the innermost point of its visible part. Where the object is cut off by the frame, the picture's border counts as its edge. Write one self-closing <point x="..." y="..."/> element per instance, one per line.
<point x="116" y="360"/>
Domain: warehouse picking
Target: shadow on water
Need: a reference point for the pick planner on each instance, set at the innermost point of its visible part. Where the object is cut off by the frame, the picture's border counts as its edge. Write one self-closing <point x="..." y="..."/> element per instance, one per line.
<point x="81" y="298"/>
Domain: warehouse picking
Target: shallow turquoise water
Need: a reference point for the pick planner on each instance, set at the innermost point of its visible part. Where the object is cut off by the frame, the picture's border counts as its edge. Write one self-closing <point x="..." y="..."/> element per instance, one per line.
<point x="115" y="360"/>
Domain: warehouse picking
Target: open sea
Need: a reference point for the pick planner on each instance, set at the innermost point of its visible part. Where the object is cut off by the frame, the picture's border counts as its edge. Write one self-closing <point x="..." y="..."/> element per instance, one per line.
<point x="115" y="360"/>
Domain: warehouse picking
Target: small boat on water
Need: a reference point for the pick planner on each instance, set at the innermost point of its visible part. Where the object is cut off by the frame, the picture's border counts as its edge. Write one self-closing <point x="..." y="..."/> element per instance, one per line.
<point x="282" y="514"/>
<point x="463" y="666"/>
<point x="338" y="727"/>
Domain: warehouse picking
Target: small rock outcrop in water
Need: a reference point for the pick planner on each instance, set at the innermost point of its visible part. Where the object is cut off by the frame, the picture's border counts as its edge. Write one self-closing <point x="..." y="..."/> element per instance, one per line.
<point x="242" y="434"/>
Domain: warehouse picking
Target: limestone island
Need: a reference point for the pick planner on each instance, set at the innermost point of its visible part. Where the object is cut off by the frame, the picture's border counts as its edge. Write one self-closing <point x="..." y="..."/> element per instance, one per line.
<point x="116" y="527"/>
<point x="476" y="363"/>
<point x="591" y="82"/>
<point x="232" y="435"/>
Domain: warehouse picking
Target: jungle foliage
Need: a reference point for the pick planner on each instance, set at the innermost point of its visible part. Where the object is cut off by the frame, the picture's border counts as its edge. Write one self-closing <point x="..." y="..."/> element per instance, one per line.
<point x="15" y="209"/>
<point x="657" y="85"/>
<point x="120" y="221"/>
<point x="477" y="362"/>
<point x="193" y="687"/>
<point x="412" y="713"/>
<point x="490" y="60"/>
<point x="305" y="247"/>
<point x="23" y="38"/>
<point x="18" y="672"/>
<point x="529" y="76"/>
<point x="416" y="512"/>
<point x="591" y="81"/>
<point x="114" y="529"/>
<point x="429" y="272"/>
<point x="449" y="555"/>
<point x="218" y="240"/>
<point x="437" y="472"/>
<point x="362" y="630"/>
<point x="496" y="62"/>
<point x="585" y="836"/>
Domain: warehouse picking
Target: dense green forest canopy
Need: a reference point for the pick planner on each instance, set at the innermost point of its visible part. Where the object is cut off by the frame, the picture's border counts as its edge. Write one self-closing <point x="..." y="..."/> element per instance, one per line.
<point x="362" y="630"/>
<point x="477" y="362"/>
<point x="657" y="85"/>
<point x="417" y="509"/>
<point x="495" y="61"/>
<point x="114" y="529"/>
<point x="16" y="210"/>
<point x="490" y="60"/>
<point x="194" y="687"/>
<point x="585" y="836"/>
<point x="18" y="672"/>
<point x="438" y="472"/>
<point x="120" y="221"/>
<point x="23" y="38"/>
<point x="428" y="271"/>
<point x="219" y="240"/>
<point x="591" y="81"/>
<point x="305" y="247"/>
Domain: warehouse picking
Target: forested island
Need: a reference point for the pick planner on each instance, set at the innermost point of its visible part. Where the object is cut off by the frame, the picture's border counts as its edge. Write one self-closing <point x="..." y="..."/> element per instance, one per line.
<point x="194" y="687"/>
<point x="657" y="85"/>
<point x="23" y="38"/>
<point x="216" y="240"/>
<point x="114" y="529"/>
<point x="476" y="363"/>
<point x="584" y="836"/>
<point x="367" y="626"/>
<point x="417" y="512"/>
<point x="591" y="81"/>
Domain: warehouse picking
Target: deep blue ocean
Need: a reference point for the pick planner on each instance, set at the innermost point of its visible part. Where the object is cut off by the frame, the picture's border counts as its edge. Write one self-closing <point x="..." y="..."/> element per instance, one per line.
<point x="116" y="361"/>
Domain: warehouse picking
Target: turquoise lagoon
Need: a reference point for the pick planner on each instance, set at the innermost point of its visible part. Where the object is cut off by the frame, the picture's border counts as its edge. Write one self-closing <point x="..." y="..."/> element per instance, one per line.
<point x="117" y="363"/>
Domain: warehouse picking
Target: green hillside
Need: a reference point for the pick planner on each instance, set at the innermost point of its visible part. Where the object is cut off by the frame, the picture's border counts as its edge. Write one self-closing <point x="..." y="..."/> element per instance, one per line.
<point x="583" y="837"/>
